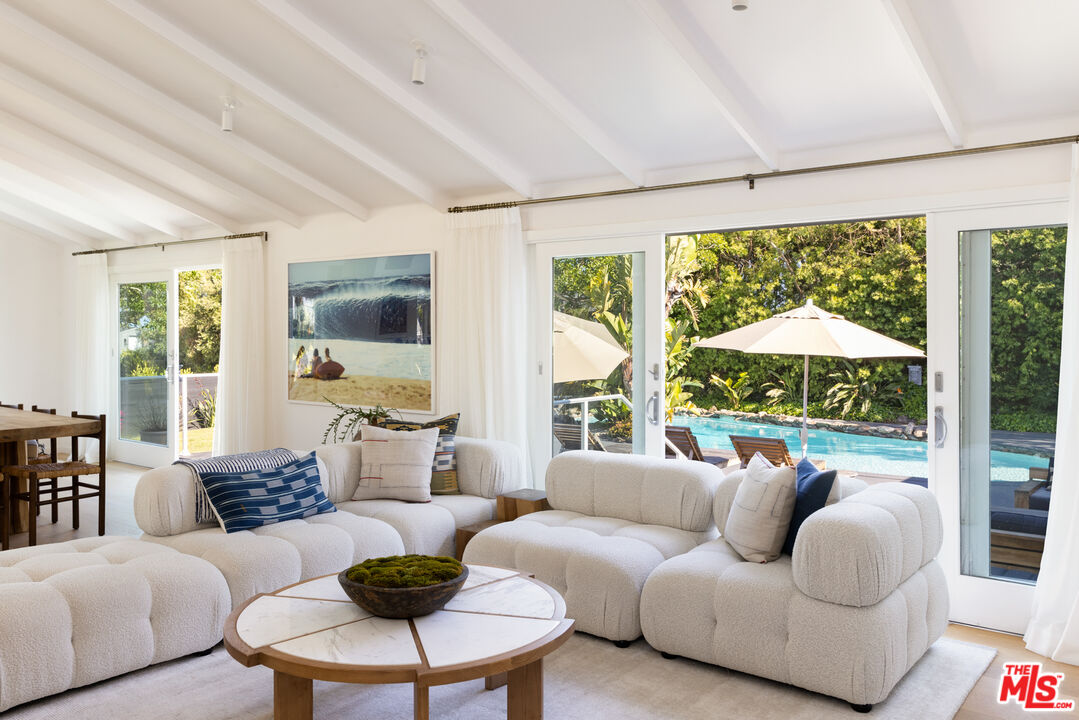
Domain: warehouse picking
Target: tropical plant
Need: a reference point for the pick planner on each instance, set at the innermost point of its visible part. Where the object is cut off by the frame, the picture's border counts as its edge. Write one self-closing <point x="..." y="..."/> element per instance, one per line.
<point x="785" y="387"/>
<point x="855" y="387"/>
<point x="347" y="421"/>
<point x="737" y="389"/>
<point x="682" y="285"/>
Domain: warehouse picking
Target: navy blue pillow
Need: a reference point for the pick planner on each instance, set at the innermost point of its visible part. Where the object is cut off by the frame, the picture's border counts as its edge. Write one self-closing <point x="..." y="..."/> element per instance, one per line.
<point x="250" y="499"/>
<point x="813" y="488"/>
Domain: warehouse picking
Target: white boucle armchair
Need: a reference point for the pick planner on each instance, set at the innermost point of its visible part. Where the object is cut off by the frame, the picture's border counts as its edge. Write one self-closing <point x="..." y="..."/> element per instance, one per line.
<point x="859" y="602"/>
<point x="614" y="518"/>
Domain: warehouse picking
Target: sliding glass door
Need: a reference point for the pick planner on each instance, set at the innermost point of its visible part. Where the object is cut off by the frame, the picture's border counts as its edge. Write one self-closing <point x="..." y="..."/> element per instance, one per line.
<point x="996" y="278"/>
<point x="165" y="355"/>
<point x="144" y="355"/>
<point x="599" y="347"/>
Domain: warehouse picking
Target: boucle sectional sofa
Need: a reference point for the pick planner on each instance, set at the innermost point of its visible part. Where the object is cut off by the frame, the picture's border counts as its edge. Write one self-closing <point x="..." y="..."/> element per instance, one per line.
<point x="632" y="544"/>
<point x="83" y="611"/>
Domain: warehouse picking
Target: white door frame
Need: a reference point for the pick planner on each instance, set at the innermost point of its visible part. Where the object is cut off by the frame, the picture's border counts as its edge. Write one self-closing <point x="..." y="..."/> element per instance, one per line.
<point x="997" y="604"/>
<point x="131" y="451"/>
<point x="648" y="339"/>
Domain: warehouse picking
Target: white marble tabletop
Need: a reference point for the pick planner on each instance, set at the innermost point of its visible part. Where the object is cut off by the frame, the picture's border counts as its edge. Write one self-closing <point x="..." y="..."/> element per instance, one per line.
<point x="497" y="611"/>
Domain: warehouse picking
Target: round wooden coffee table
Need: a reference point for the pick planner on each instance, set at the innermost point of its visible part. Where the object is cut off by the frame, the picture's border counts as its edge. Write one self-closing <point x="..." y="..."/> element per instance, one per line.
<point x="501" y="622"/>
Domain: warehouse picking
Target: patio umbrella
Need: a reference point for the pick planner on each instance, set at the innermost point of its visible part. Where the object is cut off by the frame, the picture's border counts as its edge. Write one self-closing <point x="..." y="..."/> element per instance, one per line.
<point x="810" y="330"/>
<point x="583" y="350"/>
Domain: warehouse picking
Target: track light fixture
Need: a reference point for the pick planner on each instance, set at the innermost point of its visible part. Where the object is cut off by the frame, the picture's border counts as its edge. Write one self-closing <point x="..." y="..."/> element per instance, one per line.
<point x="419" y="64"/>
<point x="226" y="115"/>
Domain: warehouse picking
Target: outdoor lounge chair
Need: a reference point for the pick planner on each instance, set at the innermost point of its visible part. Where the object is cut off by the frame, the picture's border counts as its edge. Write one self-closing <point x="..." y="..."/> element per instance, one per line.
<point x="773" y="449"/>
<point x="683" y="438"/>
<point x="569" y="435"/>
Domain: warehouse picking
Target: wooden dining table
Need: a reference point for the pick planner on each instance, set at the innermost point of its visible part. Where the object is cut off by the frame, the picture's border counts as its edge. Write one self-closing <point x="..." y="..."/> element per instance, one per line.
<point x="18" y="426"/>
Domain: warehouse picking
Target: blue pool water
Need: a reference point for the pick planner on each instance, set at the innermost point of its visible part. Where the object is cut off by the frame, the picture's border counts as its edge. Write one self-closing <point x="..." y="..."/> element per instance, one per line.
<point x="846" y="451"/>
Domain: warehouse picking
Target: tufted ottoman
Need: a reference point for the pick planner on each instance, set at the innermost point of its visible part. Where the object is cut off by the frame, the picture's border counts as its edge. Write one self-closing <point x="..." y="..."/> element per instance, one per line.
<point x="78" y="612"/>
<point x="614" y="519"/>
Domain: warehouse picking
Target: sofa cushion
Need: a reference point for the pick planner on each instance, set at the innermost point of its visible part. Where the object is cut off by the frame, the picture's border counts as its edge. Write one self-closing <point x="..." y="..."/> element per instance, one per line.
<point x="814" y="488"/>
<point x="444" y="466"/>
<point x="250" y="499"/>
<point x="636" y="488"/>
<point x="761" y="513"/>
<point x="425" y="528"/>
<point x="396" y="465"/>
<point x="466" y="509"/>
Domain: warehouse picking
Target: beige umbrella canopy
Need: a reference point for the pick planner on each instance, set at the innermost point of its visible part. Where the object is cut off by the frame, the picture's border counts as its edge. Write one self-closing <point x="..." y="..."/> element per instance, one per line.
<point x="583" y="350"/>
<point x="810" y="330"/>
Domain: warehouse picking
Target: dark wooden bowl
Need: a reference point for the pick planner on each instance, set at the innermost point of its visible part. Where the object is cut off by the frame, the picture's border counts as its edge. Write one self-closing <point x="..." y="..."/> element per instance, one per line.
<point x="402" y="602"/>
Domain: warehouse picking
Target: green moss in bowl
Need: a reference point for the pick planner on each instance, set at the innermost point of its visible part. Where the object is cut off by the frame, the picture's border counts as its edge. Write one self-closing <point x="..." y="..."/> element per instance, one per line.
<point x="402" y="586"/>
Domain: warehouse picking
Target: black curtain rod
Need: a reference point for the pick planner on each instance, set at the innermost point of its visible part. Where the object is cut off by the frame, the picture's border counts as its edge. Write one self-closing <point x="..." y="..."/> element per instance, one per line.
<point x="262" y="234"/>
<point x="751" y="178"/>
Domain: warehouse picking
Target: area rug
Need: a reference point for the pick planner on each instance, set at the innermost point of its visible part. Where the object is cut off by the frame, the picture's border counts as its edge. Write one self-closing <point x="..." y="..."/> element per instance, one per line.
<point x="587" y="678"/>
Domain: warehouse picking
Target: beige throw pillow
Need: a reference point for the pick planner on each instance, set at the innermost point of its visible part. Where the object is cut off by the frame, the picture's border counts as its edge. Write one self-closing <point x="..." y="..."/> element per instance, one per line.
<point x="395" y="465"/>
<point x="761" y="512"/>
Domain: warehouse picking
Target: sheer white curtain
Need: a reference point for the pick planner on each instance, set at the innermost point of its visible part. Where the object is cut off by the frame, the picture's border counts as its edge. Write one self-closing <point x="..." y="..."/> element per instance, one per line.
<point x="1054" y="625"/>
<point x="489" y="339"/>
<point x="241" y="387"/>
<point x="92" y="342"/>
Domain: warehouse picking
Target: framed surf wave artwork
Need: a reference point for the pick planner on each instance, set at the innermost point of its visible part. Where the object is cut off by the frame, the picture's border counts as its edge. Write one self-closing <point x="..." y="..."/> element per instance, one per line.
<point x="360" y="331"/>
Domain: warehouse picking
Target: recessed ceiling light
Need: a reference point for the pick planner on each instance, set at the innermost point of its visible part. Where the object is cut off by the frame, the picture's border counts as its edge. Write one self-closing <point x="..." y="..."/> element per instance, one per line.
<point x="739" y="4"/>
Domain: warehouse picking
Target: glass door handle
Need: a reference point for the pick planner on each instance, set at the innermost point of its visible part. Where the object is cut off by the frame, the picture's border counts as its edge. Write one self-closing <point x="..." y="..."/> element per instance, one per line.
<point x="940" y="427"/>
<point x="652" y="408"/>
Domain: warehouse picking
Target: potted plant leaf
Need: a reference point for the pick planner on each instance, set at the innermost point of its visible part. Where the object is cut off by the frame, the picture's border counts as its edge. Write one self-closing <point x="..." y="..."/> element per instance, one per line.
<point x="346" y="423"/>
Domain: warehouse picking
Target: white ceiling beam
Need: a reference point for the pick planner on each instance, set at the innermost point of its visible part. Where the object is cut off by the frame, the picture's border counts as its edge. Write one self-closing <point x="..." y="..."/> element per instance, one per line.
<point x="730" y="106"/>
<point x="34" y="164"/>
<point x="347" y="57"/>
<point x="48" y="143"/>
<point x="30" y="221"/>
<point x="284" y="104"/>
<point x="178" y="110"/>
<point x="517" y="67"/>
<point x="929" y="76"/>
<point x="57" y="200"/>
<point x="132" y="137"/>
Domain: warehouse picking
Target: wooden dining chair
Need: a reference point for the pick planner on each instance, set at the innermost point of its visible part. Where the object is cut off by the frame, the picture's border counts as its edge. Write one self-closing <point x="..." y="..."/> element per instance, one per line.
<point x="40" y="458"/>
<point x="36" y="473"/>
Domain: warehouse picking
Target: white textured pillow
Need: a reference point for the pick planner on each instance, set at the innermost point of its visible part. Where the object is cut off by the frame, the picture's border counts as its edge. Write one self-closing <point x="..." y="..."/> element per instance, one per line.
<point x="396" y="465"/>
<point x="761" y="512"/>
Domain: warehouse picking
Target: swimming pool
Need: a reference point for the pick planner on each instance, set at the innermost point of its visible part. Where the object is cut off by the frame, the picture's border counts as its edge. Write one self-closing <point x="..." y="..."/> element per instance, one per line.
<point x="864" y="453"/>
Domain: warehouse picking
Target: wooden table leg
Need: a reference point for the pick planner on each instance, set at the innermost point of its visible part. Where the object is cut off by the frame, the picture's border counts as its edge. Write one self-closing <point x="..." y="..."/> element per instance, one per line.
<point x="421" y="702"/>
<point x="292" y="697"/>
<point x="524" y="698"/>
<point x="21" y="512"/>
<point x="493" y="682"/>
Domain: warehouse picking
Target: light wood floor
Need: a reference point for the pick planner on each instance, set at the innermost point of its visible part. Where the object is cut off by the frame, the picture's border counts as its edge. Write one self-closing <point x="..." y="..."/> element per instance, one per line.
<point x="981" y="704"/>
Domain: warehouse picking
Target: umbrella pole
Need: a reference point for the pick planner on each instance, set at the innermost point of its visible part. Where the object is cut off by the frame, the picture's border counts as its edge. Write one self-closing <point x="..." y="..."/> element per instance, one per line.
<point x="805" y="406"/>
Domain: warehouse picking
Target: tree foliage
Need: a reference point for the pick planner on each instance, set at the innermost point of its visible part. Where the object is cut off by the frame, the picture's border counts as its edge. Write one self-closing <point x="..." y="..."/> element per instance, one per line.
<point x="1028" y="312"/>
<point x="872" y="272"/>
<point x="143" y="318"/>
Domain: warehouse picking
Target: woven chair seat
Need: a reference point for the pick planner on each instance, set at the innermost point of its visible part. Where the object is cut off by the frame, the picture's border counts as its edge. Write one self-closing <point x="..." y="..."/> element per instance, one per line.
<point x="51" y="470"/>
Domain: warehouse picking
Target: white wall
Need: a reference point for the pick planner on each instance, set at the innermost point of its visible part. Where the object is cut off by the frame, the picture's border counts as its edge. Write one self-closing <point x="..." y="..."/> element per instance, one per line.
<point x="37" y="322"/>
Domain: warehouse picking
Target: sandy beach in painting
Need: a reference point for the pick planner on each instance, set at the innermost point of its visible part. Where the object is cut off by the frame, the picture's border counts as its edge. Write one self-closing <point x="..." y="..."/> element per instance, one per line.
<point x="365" y="390"/>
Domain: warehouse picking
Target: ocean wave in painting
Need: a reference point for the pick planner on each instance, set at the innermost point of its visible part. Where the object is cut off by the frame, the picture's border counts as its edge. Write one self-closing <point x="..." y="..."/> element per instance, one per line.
<point x="393" y="310"/>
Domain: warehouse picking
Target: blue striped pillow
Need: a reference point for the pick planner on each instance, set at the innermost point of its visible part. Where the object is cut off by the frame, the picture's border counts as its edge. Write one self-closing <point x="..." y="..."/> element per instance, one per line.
<point x="245" y="500"/>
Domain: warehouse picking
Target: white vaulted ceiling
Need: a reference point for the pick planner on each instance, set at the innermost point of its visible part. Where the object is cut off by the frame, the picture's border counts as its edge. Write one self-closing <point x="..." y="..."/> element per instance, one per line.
<point x="110" y="109"/>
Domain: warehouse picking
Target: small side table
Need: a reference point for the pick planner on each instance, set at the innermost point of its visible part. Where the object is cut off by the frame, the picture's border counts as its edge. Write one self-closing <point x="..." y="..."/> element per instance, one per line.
<point x="466" y="533"/>
<point x="509" y="506"/>
<point x="520" y="502"/>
